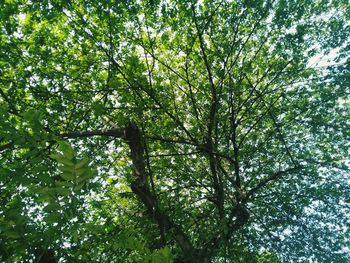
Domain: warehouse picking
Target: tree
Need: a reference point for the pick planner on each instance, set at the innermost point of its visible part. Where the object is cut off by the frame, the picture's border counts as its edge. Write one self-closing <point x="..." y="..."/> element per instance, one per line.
<point x="174" y="131"/>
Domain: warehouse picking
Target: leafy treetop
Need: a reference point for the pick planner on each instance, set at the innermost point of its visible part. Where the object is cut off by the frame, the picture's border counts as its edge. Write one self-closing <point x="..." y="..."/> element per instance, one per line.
<point x="174" y="131"/>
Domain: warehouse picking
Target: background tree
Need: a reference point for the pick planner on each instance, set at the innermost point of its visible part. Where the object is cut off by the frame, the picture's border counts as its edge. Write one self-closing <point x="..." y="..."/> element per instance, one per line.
<point x="160" y="131"/>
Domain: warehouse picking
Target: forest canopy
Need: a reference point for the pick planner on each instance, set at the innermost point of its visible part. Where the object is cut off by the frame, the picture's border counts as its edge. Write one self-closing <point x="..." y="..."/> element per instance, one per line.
<point x="175" y="131"/>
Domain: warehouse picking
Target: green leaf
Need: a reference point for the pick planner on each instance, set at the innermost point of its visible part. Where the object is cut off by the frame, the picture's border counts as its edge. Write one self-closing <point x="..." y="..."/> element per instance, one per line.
<point x="66" y="169"/>
<point x="83" y="178"/>
<point x="51" y="207"/>
<point x="13" y="234"/>
<point x="63" y="191"/>
<point x="61" y="159"/>
<point x="81" y="171"/>
<point x="162" y="255"/>
<point x="53" y="217"/>
<point x="67" y="149"/>
<point x="79" y="186"/>
<point x="69" y="176"/>
<point x="64" y="183"/>
<point x="98" y="108"/>
<point x="82" y="163"/>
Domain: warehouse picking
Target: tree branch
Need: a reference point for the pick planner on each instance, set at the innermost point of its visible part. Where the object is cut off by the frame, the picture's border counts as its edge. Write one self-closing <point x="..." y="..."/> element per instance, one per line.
<point x="273" y="177"/>
<point x="140" y="187"/>
<point x="6" y="146"/>
<point x="118" y="133"/>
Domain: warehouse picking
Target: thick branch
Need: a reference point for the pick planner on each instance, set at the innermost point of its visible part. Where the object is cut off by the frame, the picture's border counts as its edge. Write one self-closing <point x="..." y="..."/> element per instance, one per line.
<point x="141" y="189"/>
<point x="241" y="215"/>
<point x="6" y="146"/>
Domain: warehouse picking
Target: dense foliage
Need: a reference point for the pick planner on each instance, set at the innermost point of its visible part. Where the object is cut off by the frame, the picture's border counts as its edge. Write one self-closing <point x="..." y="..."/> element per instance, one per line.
<point x="174" y="131"/>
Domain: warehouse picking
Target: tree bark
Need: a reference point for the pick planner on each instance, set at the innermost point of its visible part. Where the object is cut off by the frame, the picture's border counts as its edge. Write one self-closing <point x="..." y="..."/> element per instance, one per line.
<point x="47" y="256"/>
<point x="140" y="187"/>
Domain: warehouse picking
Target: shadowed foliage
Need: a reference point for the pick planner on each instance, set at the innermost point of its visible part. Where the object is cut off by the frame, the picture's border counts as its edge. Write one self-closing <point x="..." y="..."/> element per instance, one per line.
<point x="174" y="131"/>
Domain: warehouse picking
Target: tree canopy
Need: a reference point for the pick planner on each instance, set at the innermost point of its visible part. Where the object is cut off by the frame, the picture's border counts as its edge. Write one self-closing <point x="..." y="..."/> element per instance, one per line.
<point x="174" y="131"/>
